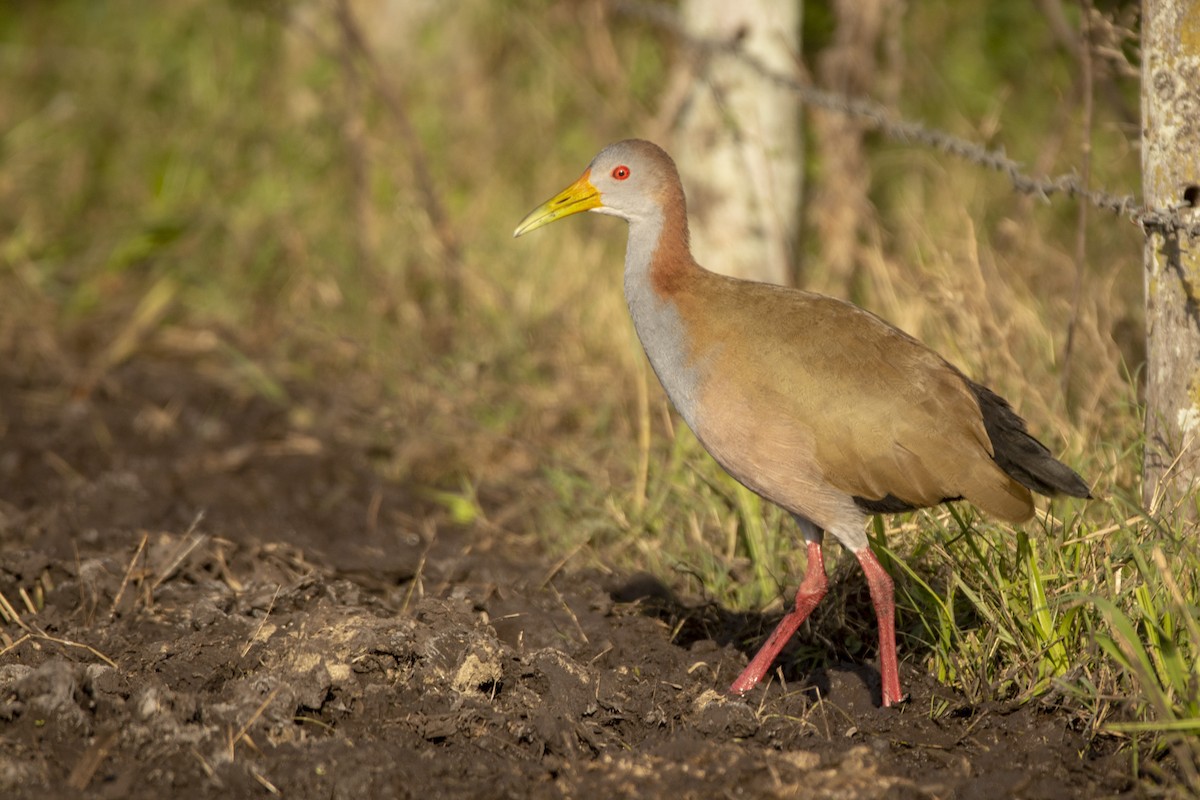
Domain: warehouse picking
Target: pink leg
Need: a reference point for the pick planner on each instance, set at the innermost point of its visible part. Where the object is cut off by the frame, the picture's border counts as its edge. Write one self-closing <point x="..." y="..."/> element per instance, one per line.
<point x="812" y="589"/>
<point x="883" y="597"/>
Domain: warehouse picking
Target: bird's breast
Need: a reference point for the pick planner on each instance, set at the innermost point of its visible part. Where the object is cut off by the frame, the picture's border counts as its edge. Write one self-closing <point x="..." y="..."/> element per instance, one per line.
<point x="670" y="349"/>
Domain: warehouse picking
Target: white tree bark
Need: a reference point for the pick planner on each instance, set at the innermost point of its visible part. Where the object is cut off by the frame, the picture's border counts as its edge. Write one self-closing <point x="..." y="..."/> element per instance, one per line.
<point x="739" y="142"/>
<point x="1171" y="179"/>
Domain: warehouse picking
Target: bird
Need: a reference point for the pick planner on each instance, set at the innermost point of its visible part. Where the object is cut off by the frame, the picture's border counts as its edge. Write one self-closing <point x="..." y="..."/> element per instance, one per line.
<point x="817" y="405"/>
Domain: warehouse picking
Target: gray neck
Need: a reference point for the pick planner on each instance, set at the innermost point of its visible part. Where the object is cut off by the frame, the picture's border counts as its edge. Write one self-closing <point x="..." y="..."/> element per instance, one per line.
<point x="644" y="235"/>
<point x="656" y="319"/>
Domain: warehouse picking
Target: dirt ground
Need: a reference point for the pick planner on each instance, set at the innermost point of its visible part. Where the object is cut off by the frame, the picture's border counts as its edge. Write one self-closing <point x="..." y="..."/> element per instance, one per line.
<point x="213" y="597"/>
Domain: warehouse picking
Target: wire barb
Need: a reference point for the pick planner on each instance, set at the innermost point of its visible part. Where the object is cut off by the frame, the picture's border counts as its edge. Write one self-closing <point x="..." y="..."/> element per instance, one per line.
<point x="1167" y="222"/>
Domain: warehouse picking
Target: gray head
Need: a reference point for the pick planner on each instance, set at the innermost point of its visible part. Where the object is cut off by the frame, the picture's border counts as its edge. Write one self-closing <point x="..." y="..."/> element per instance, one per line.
<point x="632" y="179"/>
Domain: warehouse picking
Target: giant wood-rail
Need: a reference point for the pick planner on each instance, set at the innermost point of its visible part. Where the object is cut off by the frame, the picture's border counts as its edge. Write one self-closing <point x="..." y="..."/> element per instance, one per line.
<point x="812" y="402"/>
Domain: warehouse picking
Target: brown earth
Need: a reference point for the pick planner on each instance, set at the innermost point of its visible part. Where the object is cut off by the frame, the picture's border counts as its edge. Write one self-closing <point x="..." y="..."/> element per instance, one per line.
<point x="213" y="597"/>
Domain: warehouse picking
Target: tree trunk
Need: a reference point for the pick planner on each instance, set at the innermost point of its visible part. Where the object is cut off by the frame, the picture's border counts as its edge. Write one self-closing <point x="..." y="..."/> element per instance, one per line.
<point x="739" y="142"/>
<point x="841" y="210"/>
<point x="1171" y="179"/>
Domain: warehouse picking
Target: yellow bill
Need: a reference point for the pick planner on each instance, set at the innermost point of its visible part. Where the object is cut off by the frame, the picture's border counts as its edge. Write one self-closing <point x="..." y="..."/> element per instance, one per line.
<point x="579" y="196"/>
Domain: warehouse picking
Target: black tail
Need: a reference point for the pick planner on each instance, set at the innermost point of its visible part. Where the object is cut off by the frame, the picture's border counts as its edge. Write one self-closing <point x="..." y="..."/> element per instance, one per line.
<point x="1020" y="455"/>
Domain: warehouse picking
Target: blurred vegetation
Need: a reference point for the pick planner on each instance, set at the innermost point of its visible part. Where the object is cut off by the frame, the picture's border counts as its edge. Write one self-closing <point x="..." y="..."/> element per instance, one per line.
<point x="247" y="184"/>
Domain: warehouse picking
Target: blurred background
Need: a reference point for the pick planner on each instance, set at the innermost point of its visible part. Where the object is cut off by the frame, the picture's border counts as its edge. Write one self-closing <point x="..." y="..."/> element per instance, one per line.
<point x="323" y="194"/>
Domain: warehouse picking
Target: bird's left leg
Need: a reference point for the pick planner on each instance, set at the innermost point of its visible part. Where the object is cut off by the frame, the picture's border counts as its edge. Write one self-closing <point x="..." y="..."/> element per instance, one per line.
<point x="883" y="597"/>
<point x="812" y="589"/>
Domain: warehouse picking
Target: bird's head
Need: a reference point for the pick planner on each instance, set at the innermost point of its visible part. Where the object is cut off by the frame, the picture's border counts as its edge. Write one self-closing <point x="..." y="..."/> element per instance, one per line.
<point x="633" y="179"/>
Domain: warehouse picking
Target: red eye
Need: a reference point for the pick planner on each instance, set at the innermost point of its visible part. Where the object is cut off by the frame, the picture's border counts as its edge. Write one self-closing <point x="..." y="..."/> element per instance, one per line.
<point x="621" y="172"/>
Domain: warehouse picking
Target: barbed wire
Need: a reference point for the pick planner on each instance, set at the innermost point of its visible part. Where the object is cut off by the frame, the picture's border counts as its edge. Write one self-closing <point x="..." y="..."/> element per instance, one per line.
<point x="1165" y="221"/>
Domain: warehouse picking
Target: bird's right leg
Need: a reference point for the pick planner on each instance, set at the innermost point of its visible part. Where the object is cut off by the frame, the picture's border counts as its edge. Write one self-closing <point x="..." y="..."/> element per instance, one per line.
<point x="812" y="589"/>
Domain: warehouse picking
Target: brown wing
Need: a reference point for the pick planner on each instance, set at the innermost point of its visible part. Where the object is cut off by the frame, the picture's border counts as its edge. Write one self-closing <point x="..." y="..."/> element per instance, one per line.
<point x="887" y="415"/>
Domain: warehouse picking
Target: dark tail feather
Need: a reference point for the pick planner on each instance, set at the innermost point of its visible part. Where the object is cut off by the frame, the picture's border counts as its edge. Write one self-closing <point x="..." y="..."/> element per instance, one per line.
<point x="1020" y="455"/>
